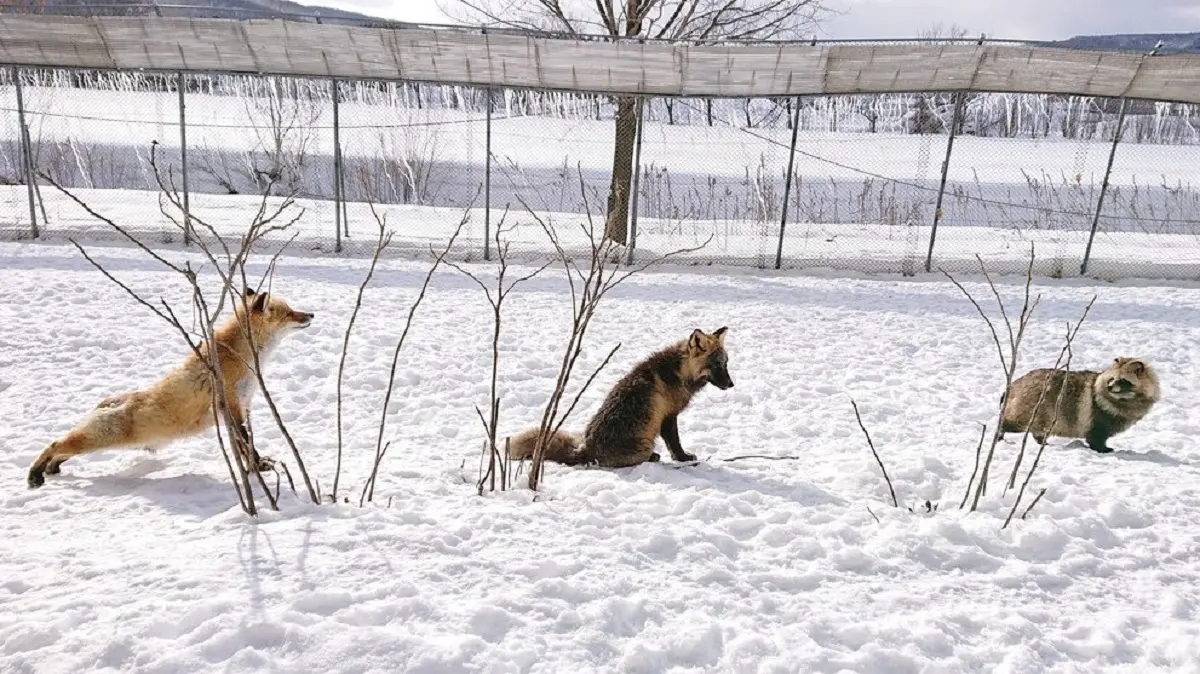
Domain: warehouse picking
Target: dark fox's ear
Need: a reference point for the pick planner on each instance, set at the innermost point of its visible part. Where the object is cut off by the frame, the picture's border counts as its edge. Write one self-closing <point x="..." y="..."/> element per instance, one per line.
<point x="248" y="292"/>
<point x="696" y="341"/>
<point x="260" y="303"/>
<point x="720" y="333"/>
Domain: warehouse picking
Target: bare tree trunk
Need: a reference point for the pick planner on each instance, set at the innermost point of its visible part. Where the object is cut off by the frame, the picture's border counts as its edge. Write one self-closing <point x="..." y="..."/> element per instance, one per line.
<point x="616" y="224"/>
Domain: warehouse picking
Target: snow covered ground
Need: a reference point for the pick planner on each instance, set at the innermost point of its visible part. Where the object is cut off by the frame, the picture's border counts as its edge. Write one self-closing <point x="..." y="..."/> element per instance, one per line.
<point x="875" y="248"/>
<point x="139" y="562"/>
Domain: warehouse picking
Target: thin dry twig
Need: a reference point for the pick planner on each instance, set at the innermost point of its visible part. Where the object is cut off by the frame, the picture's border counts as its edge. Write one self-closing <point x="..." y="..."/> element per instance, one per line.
<point x="874" y="515"/>
<point x="491" y="461"/>
<point x="878" y="460"/>
<point x="586" y="384"/>
<point x="1007" y="361"/>
<point x="368" y="492"/>
<point x="1034" y="502"/>
<point x="385" y="239"/>
<point x="1037" y="459"/>
<point x="975" y="470"/>
<point x="1063" y="353"/>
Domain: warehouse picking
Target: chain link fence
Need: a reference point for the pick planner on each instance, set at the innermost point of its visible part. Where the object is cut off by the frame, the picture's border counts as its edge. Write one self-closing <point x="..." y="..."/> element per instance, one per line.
<point x="877" y="183"/>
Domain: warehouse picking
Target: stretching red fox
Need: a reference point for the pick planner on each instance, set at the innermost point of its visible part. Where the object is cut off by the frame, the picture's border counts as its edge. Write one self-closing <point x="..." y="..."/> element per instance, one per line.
<point x="645" y="404"/>
<point x="180" y="404"/>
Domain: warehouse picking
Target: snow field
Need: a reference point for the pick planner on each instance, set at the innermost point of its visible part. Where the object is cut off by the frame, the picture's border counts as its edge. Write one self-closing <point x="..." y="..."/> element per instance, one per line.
<point x="237" y="123"/>
<point x="897" y="249"/>
<point x="718" y="177"/>
<point x="137" y="562"/>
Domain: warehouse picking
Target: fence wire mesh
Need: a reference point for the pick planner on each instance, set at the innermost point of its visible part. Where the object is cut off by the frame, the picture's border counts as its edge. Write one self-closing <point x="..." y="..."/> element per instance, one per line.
<point x="850" y="182"/>
<point x="14" y="202"/>
<point x="1150" y="217"/>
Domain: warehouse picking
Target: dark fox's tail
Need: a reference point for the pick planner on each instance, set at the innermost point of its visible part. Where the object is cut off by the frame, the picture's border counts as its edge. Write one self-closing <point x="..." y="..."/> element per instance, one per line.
<point x="561" y="448"/>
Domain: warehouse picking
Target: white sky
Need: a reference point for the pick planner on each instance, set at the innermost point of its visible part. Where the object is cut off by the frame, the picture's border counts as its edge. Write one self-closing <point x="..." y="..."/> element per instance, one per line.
<point x="1022" y="19"/>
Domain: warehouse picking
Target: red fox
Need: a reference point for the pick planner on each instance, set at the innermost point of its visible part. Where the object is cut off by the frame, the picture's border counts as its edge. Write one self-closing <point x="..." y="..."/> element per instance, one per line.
<point x="643" y="405"/>
<point x="180" y="404"/>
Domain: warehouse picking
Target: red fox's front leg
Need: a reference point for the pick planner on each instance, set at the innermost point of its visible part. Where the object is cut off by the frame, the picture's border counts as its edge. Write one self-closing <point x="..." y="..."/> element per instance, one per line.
<point x="240" y="436"/>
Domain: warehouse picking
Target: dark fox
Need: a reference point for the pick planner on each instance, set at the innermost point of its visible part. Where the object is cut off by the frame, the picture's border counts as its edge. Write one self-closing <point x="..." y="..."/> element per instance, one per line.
<point x="643" y="405"/>
<point x="1094" y="405"/>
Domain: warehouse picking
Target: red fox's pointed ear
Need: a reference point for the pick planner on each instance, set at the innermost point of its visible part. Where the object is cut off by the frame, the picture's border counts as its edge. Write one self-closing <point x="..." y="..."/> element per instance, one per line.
<point x="696" y="341"/>
<point x="260" y="303"/>
<point x="720" y="334"/>
<point x="248" y="292"/>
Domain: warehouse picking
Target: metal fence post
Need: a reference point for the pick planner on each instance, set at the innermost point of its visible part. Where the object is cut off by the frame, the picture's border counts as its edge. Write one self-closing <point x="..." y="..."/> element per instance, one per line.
<point x="183" y="162"/>
<point x="1112" y="154"/>
<point x="787" y="186"/>
<point x="637" y="172"/>
<point x="487" y="180"/>
<point x="337" y="172"/>
<point x="959" y="99"/>
<point x="27" y="154"/>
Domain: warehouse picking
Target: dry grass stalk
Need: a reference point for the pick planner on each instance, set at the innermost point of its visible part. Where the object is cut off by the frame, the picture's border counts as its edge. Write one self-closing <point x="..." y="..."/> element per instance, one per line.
<point x="1065" y="352"/>
<point x="975" y="470"/>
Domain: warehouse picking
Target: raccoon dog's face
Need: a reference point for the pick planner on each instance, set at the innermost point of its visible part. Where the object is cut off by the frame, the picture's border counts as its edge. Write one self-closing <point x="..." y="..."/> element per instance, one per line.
<point x="1124" y="378"/>
<point x="709" y="350"/>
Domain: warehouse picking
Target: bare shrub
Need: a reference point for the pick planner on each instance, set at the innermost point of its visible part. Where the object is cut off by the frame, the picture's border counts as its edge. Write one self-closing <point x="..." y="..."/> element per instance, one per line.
<point x="368" y="491"/>
<point x="493" y="464"/>
<point x="277" y="163"/>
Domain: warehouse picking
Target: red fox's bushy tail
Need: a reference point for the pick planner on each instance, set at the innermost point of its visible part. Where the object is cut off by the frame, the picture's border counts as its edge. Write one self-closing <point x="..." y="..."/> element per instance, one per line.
<point x="561" y="447"/>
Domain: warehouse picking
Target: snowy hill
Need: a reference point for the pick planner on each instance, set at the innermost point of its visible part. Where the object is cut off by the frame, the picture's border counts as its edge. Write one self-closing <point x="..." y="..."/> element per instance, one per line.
<point x="1141" y="42"/>
<point x="233" y="9"/>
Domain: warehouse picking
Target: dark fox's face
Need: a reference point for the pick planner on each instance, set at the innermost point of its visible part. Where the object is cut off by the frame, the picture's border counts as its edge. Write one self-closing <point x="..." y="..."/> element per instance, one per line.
<point x="1125" y="378"/>
<point x="712" y="363"/>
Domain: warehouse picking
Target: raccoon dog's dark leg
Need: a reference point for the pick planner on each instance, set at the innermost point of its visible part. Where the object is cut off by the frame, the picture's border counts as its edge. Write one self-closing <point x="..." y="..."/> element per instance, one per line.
<point x="1101" y="431"/>
<point x="670" y="435"/>
<point x="1097" y="439"/>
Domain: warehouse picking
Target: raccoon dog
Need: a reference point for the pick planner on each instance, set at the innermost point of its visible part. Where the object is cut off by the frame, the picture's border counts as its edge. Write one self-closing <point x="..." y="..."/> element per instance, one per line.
<point x="1094" y="405"/>
<point x="643" y="405"/>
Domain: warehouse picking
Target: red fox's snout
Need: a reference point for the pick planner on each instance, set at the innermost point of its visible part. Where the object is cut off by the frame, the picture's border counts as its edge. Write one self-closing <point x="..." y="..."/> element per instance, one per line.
<point x="301" y="319"/>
